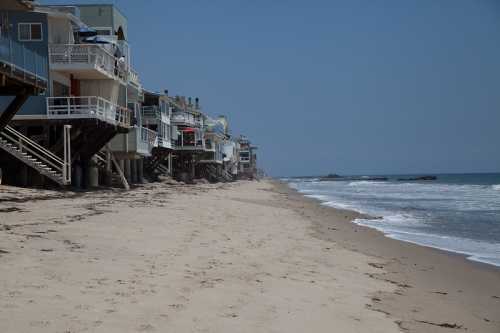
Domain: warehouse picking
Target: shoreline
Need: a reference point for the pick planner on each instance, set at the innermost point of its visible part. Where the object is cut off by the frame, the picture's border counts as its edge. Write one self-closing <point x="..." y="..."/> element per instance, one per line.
<point x="466" y="256"/>
<point x="409" y="264"/>
<point x="363" y="216"/>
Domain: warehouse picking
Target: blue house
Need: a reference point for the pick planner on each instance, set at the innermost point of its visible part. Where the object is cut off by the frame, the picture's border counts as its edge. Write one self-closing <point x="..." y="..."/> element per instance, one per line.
<point x="23" y="56"/>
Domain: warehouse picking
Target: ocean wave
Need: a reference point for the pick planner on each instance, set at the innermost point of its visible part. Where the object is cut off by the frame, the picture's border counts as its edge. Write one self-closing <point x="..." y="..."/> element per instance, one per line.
<point x="480" y="251"/>
<point x="317" y="196"/>
<point x="340" y="205"/>
<point x="428" y="214"/>
<point x="362" y="183"/>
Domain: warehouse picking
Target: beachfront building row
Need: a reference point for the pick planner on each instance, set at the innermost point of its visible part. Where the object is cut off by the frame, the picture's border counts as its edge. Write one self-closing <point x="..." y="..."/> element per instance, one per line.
<point x="74" y="111"/>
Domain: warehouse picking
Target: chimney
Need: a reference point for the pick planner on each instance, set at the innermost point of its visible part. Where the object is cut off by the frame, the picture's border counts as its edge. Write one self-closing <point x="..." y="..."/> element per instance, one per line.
<point x="197" y="103"/>
<point x="190" y="103"/>
<point x="166" y="92"/>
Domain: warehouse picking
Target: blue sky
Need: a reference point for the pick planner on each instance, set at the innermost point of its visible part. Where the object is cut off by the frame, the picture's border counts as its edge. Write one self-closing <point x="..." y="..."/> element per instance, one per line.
<point x="351" y="87"/>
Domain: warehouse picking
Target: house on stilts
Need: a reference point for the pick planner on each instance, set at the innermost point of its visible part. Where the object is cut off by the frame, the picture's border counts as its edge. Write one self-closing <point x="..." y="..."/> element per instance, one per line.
<point x="73" y="111"/>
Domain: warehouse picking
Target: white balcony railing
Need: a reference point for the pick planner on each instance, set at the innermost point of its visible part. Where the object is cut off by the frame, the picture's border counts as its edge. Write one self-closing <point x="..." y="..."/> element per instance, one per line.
<point x="184" y="118"/>
<point x="146" y="140"/>
<point x="148" y="136"/>
<point x="152" y="112"/>
<point x="87" y="107"/>
<point x="133" y="77"/>
<point x="92" y="55"/>
<point x="190" y="140"/>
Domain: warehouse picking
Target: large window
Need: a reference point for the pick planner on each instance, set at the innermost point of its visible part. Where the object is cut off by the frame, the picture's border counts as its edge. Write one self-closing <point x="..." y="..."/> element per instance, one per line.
<point x="29" y="32"/>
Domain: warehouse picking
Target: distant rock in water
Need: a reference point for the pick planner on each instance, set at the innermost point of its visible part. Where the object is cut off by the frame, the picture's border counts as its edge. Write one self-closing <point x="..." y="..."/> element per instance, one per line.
<point x="334" y="177"/>
<point x="418" y="178"/>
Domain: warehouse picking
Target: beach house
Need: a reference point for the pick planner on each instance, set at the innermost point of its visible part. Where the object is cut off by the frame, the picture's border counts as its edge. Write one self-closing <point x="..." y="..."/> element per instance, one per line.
<point x="211" y="163"/>
<point x="24" y="67"/>
<point x="188" y="123"/>
<point x="156" y="118"/>
<point x="230" y="150"/>
<point x="74" y="111"/>
<point x="86" y="102"/>
<point x="247" y="159"/>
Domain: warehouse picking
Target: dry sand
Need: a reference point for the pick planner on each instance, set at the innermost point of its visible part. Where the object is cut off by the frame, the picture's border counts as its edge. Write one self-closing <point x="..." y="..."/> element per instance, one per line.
<point x="242" y="257"/>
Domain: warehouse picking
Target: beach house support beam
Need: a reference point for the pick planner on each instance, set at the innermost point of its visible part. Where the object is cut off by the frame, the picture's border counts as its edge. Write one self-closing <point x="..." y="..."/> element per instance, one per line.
<point x="140" y="170"/>
<point x="118" y="169"/>
<point x="12" y="109"/>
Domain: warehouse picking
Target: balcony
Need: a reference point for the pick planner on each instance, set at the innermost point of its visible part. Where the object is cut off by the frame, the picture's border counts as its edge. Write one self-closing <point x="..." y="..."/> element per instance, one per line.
<point x="146" y="141"/>
<point x="245" y="156"/>
<point x="91" y="107"/>
<point x="138" y="142"/>
<point x="190" y="139"/>
<point x="22" y="65"/>
<point x="164" y="142"/>
<point x="185" y="118"/>
<point x="86" y="61"/>
<point x="151" y="113"/>
<point x="209" y="145"/>
<point x="133" y="78"/>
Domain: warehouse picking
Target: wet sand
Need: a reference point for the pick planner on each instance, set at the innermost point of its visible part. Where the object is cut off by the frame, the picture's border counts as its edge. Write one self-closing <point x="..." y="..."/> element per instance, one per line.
<point x="241" y="257"/>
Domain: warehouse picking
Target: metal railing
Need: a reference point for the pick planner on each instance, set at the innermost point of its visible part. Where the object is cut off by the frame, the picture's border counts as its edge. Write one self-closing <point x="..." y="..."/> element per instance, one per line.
<point x="26" y="145"/>
<point x="93" y="55"/>
<point x="184" y="118"/>
<point x="151" y="112"/>
<point x="146" y="139"/>
<point x="148" y="136"/>
<point x="22" y="63"/>
<point x="191" y="140"/>
<point x="133" y="77"/>
<point x="87" y="107"/>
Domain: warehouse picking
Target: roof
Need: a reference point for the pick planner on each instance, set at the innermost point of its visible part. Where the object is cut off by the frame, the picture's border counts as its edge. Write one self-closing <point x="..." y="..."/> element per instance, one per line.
<point x="17" y="4"/>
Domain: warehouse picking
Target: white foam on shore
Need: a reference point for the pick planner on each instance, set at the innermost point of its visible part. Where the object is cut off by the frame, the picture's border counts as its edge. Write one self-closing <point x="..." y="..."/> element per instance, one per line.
<point x="409" y="228"/>
<point x="484" y="252"/>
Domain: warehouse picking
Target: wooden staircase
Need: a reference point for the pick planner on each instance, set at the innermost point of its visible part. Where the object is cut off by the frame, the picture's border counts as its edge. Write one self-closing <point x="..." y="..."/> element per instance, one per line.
<point x="37" y="157"/>
<point x="212" y="172"/>
<point x="154" y="164"/>
<point x="226" y="175"/>
<point x="117" y="177"/>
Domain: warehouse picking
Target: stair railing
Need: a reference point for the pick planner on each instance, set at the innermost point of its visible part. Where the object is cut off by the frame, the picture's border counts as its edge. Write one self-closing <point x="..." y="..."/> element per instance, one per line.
<point x="67" y="155"/>
<point x="24" y="144"/>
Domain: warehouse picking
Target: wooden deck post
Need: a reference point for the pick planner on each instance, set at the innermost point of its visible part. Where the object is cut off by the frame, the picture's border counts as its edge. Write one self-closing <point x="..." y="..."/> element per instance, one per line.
<point x="12" y="109"/>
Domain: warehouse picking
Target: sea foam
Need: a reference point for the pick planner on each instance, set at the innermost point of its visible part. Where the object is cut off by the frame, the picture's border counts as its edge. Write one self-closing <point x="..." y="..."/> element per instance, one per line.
<point x="461" y="217"/>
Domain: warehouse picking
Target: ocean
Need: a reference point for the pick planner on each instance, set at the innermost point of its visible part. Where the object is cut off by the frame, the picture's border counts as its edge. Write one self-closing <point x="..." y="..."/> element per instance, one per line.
<point x="456" y="212"/>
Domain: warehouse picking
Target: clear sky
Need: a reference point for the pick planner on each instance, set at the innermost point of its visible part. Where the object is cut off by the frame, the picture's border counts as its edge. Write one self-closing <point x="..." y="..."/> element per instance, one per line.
<point x="351" y="87"/>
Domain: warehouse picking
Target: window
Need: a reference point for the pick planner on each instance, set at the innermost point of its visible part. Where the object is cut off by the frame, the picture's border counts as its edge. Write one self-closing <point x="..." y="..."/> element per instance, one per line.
<point x="30" y="32"/>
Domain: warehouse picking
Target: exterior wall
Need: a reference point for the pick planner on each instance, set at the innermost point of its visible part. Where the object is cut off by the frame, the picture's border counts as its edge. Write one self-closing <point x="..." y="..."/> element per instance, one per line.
<point x="29" y="55"/>
<point x="97" y="15"/>
<point x="60" y="78"/>
<point x="122" y="96"/>
<point x="60" y="31"/>
<point x="103" y="16"/>
<point x="119" y="20"/>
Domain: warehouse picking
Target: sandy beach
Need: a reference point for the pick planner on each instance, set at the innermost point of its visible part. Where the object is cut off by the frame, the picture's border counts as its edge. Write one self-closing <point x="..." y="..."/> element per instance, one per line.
<point x="239" y="257"/>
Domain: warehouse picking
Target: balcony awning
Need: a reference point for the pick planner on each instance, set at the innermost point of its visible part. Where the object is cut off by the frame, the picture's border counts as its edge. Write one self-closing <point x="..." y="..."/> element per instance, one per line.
<point x="98" y="40"/>
<point x="87" y="32"/>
